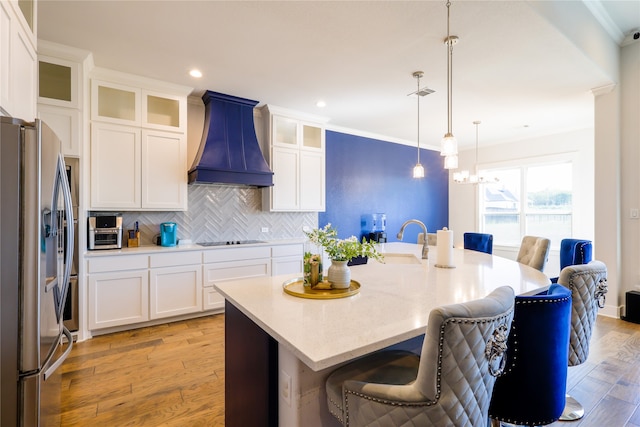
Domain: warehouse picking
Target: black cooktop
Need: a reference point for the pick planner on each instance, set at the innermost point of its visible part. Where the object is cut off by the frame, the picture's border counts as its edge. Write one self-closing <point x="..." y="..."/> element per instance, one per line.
<point x="230" y="242"/>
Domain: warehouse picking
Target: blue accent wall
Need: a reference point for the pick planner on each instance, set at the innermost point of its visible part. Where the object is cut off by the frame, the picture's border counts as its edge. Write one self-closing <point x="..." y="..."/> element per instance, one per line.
<point x="365" y="176"/>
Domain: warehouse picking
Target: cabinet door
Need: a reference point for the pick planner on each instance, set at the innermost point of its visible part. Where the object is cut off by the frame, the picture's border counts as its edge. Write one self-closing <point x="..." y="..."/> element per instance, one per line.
<point x="120" y="298"/>
<point x="230" y="270"/>
<point x="285" y="191"/>
<point x="65" y="122"/>
<point x="5" y="54"/>
<point x="22" y="72"/>
<point x="212" y="300"/>
<point x="115" y="103"/>
<point x="164" y="112"/>
<point x="285" y="131"/>
<point x="58" y="82"/>
<point x="115" y="167"/>
<point x="312" y="181"/>
<point x="286" y="265"/>
<point x="164" y="170"/>
<point x="175" y="291"/>
<point x="312" y="137"/>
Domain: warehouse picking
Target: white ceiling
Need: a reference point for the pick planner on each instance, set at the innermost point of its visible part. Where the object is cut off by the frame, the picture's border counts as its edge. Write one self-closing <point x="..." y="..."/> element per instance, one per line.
<point x="512" y="69"/>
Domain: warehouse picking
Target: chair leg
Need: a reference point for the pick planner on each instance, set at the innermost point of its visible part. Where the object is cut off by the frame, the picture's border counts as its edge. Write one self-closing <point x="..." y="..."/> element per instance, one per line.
<point x="573" y="410"/>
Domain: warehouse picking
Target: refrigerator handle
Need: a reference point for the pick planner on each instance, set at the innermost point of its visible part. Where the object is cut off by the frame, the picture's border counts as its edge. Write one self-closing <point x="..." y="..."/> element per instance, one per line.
<point x="68" y="212"/>
<point x="55" y="365"/>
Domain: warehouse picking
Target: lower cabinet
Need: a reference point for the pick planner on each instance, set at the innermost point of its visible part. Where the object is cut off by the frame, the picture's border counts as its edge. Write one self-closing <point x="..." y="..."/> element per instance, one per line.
<point x="232" y="264"/>
<point x="177" y="288"/>
<point x="287" y="259"/>
<point x="128" y="289"/>
<point x="118" y="291"/>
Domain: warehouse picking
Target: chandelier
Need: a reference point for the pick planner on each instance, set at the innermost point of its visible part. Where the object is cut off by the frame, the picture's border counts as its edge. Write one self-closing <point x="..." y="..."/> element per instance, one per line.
<point x="464" y="177"/>
<point x="449" y="143"/>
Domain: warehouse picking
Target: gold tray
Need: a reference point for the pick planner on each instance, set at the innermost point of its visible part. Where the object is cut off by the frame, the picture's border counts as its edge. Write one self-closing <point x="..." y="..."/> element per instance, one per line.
<point x="296" y="288"/>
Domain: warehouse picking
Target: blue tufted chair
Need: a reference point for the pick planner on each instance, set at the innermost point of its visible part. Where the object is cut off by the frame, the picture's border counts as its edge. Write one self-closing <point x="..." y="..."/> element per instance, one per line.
<point x="588" y="286"/>
<point x="449" y="384"/>
<point x="532" y="389"/>
<point x="574" y="252"/>
<point x="480" y="242"/>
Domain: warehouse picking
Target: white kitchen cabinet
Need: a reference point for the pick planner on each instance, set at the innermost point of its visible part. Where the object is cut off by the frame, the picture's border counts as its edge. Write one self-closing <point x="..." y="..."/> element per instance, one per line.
<point x="115" y="103"/>
<point x="153" y="176"/>
<point x="296" y="154"/>
<point x="134" y="169"/>
<point x="67" y="125"/>
<point x="131" y="105"/>
<point x="61" y="82"/>
<point x="118" y="291"/>
<point x="230" y="264"/>
<point x="164" y="170"/>
<point x="115" y="167"/>
<point x="18" y="60"/>
<point x="287" y="259"/>
<point x="176" y="287"/>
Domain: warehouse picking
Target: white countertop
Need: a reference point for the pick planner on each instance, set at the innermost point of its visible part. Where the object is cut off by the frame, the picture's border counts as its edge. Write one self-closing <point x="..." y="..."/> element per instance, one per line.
<point x="393" y="304"/>
<point x="153" y="249"/>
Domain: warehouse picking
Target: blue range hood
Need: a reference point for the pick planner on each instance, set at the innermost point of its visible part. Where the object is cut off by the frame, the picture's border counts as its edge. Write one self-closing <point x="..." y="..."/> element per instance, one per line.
<point x="229" y="152"/>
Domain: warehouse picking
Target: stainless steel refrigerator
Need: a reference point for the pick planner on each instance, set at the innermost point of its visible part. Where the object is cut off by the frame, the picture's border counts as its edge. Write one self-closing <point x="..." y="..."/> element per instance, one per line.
<point x="34" y="274"/>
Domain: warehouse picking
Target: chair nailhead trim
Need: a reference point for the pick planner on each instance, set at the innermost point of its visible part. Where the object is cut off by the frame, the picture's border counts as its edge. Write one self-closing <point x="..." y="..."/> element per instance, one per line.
<point x="494" y="319"/>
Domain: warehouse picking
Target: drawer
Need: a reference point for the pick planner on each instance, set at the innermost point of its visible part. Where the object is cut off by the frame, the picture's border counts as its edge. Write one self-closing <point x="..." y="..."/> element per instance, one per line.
<point x="173" y="259"/>
<point x="117" y="263"/>
<point x="236" y="254"/>
<point x="233" y="270"/>
<point x="287" y="250"/>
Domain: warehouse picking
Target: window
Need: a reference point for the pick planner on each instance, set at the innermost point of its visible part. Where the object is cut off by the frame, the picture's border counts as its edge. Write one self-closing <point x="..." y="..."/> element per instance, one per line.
<point x="528" y="200"/>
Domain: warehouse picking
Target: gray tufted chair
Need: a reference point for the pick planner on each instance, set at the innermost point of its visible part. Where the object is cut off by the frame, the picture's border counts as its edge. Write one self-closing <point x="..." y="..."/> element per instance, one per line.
<point x="534" y="252"/>
<point x="588" y="286"/>
<point x="450" y="384"/>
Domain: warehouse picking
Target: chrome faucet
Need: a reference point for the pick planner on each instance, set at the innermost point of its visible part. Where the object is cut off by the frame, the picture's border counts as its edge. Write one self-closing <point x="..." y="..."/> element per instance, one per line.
<point x="425" y="247"/>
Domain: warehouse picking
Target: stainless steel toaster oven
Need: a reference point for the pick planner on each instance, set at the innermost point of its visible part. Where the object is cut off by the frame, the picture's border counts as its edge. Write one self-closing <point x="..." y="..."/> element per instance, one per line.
<point x="105" y="231"/>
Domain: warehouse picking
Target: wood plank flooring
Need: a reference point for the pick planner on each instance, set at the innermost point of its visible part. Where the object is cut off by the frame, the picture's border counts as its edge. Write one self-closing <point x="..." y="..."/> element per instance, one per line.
<point x="165" y="375"/>
<point x="173" y="375"/>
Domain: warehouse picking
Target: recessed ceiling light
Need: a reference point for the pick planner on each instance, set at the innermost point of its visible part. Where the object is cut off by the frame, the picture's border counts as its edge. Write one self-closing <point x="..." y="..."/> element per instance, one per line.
<point x="321" y="104"/>
<point x="195" y="73"/>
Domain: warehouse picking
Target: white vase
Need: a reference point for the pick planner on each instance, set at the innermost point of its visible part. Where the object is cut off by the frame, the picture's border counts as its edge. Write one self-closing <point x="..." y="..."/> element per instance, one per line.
<point x="339" y="274"/>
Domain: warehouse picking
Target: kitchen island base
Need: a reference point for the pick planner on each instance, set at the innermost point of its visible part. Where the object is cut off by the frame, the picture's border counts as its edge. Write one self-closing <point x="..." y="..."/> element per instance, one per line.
<point x="267" y="385"/>
<point x="251" y="372"/>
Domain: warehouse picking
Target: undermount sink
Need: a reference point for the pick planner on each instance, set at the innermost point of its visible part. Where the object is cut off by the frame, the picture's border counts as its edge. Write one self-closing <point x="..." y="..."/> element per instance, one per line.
<point x="395" y="258"/>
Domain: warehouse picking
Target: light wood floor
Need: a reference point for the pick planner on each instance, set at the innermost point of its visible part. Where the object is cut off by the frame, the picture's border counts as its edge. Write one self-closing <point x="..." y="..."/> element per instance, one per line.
<point x="173" y="375"/>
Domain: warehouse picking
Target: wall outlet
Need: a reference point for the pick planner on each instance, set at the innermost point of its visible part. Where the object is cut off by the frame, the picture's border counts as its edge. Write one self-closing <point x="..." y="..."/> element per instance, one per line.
<point x="633" y="213"/>
<point x="285" y="385"/>
<point x="265" y="229"/>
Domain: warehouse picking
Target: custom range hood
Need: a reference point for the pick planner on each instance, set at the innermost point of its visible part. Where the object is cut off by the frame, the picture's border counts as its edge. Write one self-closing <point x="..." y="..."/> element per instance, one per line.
<point x="229" y="152"/>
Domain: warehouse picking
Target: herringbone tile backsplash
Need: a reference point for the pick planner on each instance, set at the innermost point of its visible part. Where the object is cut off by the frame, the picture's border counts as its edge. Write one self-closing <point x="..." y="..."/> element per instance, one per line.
<point x="221" y="213"/>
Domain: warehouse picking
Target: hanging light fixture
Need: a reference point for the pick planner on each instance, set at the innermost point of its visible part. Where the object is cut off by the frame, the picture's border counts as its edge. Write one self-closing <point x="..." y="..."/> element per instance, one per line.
<point x="464" y="177"/>
<point x="418" y="169"/>
<point x="449" y="143"/>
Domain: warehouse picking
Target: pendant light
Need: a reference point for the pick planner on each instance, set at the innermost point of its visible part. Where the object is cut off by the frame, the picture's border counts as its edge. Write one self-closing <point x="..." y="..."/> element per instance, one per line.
<point x="449" y="143"/>
<point x="464" y="177"/>
<point x="418" y="169"/>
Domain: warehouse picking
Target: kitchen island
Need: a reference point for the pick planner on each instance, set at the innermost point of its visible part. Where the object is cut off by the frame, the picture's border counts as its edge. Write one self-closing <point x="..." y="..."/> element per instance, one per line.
<point x="279" y="348"/>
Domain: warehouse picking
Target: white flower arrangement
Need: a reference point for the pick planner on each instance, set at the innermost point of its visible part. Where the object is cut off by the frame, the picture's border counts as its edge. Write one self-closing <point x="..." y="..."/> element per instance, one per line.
<point x="342" y="249"/>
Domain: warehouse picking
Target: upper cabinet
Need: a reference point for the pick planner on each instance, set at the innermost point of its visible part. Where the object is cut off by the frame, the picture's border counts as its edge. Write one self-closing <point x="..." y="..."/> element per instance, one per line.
<point x="296" y="155"/>
<point x="126" y="105"/>
<point x="18" y="60"/>
<point x="138" y="143"/>
<point x="61" y="79"/>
